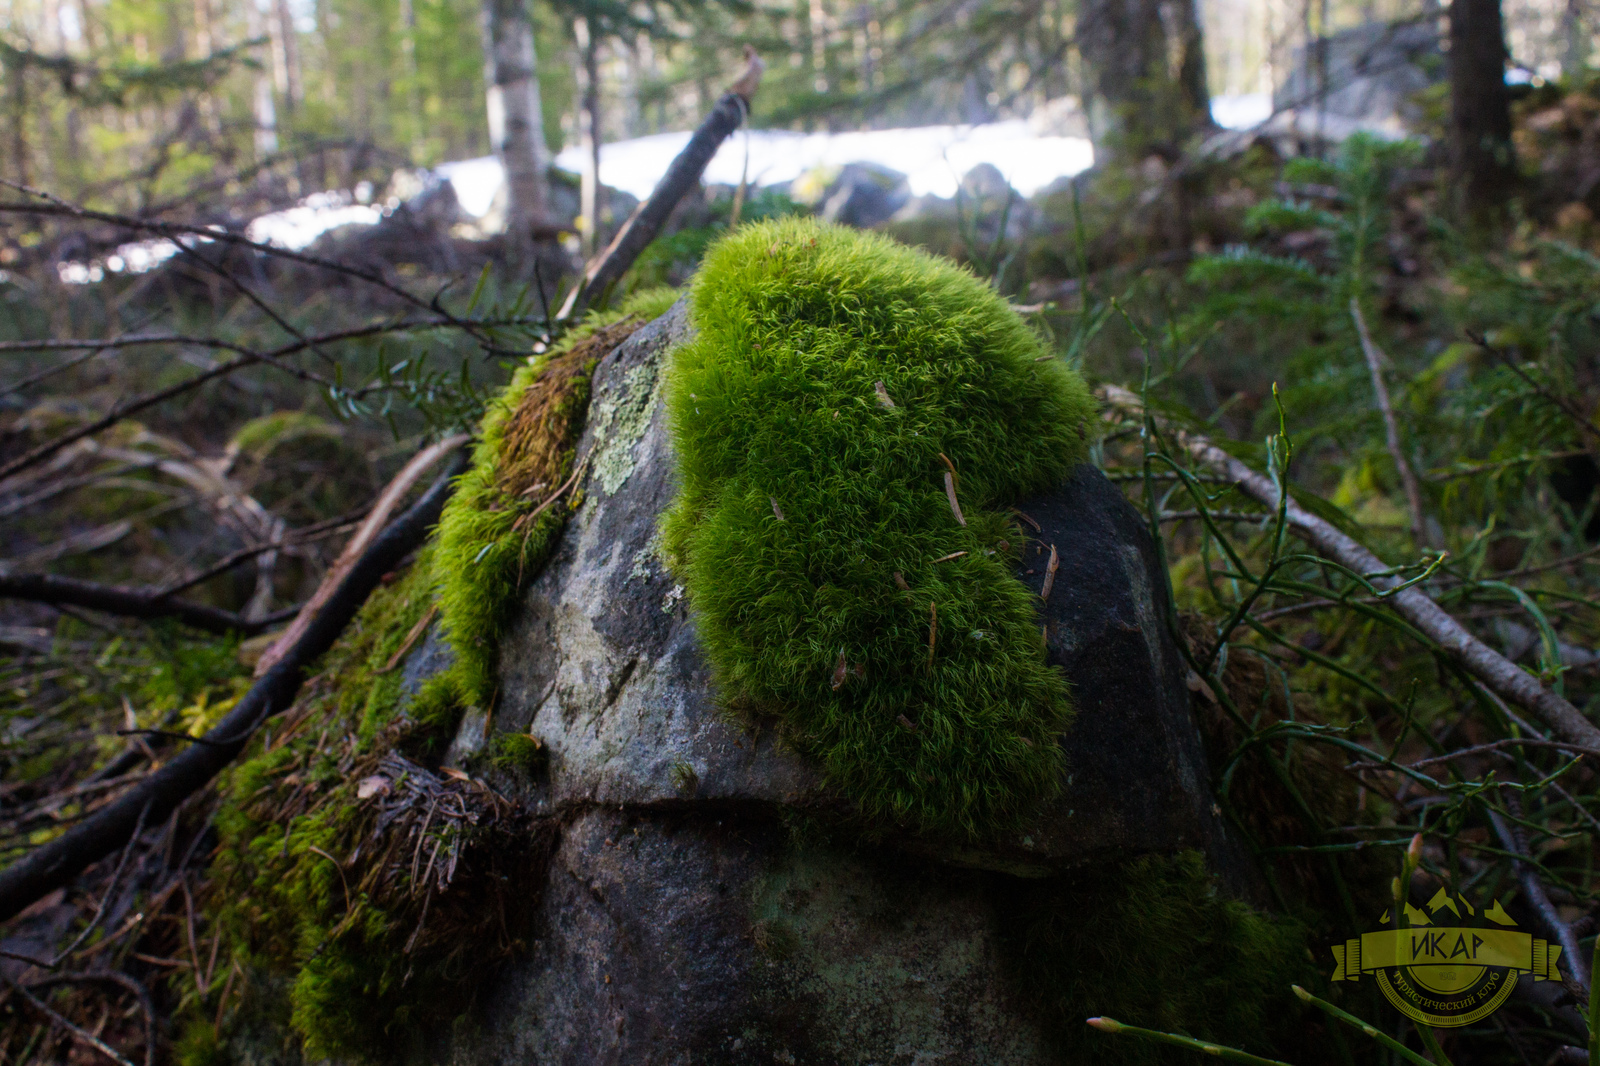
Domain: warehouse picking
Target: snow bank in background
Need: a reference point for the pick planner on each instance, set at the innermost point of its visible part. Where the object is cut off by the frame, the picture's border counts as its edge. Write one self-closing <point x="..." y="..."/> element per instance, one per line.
<point x="475" y="181"/>
<point x="293" y="228"/>
<point x="933" y="158"/>
<point x="296" y="227"/>
<point x="1241" y="112"/>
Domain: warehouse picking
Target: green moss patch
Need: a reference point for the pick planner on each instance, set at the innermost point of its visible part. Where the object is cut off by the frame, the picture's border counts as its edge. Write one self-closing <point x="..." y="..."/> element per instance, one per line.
<point x="328" y="864"/>
<point x="835" y="380"/>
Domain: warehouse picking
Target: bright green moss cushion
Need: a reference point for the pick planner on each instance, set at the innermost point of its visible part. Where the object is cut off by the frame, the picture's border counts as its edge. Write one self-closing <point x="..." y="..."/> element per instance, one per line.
<point x="804" y="493"/>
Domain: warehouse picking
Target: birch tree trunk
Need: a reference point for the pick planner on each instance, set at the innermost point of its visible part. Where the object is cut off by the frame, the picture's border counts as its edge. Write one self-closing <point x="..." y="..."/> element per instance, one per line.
<point x="263" y="107"/>
<point x="589" y="130"/>
<point x="516" y="125"/>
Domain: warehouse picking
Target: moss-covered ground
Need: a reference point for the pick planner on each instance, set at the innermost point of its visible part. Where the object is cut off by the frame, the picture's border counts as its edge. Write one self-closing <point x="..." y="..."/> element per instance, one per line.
<point x="852" y="419"/>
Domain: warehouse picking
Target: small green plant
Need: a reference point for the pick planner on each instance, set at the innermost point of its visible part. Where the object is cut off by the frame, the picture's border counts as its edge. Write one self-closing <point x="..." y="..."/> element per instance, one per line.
<point x="851" y="419"/>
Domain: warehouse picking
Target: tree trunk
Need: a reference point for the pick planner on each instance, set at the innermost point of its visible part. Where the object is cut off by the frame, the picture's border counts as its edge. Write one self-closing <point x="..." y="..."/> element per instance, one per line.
<point x="1147" y="76"/>
<point x="516" y="125"/>
<point x="263" y="106"/>
<point x="1574" y="27"/>
<point x="1480" y="108"/>
<point x="408" y="60"/>
<point x="589" y="130"/>
<point x="285" y="55"/>
<point x="18" y="75"/>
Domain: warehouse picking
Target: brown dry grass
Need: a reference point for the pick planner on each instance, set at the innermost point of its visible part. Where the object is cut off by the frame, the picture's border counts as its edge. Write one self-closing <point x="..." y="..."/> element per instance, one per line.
<point x="540" y="433"/>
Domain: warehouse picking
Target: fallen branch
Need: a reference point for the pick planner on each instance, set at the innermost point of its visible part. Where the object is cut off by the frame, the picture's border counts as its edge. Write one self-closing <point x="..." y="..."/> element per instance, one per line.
<point x="147" y="604"/>
<point x="1499" y="674"/>
<point x="385" y="505"/>
<point x="1515" y="841"/>
<point x="55" y="864"/>
<point x="684" y="174"/>
<point x="79" y="1033"/>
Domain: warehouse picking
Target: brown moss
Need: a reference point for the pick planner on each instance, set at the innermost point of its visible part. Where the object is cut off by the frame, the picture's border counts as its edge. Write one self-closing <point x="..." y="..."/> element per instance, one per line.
<point x="540" y="433"/>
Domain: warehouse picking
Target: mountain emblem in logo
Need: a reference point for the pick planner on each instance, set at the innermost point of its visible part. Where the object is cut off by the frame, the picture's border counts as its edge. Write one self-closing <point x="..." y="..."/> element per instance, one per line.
<point x="1447" y="975"/>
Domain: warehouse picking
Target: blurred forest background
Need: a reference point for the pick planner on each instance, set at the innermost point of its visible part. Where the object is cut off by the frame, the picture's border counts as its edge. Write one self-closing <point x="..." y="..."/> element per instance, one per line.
<point x="255" y="254"/>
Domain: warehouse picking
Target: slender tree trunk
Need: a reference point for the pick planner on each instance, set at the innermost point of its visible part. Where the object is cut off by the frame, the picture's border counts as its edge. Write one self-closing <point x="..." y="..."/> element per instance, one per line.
<point x="288" y="42"/>
<point x="1480" y="108"/>
<point x="263" y="106"/>
<point x="18" y="76"/>
<point x="516" y="125"/>
<point x="589" y="130"/>
<point x="408" y="59"/>
<point x="1574" y="26"/>
<point x="1146" y="67"/>
<point x="203" y="43"/>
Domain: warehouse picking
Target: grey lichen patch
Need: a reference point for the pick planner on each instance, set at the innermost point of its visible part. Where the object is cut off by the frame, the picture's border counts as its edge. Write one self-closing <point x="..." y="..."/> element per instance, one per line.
<point x="620" y="420"/>
<point x="647" y="561"/>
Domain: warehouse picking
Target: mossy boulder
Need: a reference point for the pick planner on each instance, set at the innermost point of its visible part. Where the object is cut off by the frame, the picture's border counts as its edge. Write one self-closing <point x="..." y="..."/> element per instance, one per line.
<point x="604" y="663"/>
<point x="716" y="899"/>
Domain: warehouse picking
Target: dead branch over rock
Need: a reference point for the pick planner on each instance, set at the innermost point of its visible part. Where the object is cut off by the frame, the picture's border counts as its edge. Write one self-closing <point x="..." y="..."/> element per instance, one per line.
<point x="681" y="176"/>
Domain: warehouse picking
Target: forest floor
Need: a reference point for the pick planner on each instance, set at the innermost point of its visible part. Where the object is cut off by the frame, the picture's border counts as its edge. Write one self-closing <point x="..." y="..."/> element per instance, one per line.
<point x="210" y="432"/>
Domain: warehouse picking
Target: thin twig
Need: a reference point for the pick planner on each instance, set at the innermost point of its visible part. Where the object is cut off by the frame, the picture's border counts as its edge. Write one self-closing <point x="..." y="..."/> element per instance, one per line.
<point x="387" y="501"/>
<point x="123" y="410"/>
<point x="82" y="1034"/>
<point x="1499" y="674"/>
<point x="1391" y="430"/>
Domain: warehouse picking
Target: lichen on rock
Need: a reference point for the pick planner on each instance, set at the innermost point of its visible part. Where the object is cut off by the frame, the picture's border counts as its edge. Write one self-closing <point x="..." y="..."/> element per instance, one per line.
<point x="508" y="509"/>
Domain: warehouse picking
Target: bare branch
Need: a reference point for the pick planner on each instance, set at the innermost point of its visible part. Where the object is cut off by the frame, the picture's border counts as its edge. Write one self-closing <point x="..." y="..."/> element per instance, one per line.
<point x="385" y="505"/>
<point x="147" y="604"/>
<point x="684" y="174"/>
<point x="151" y="399"/>
<point x="1499" y="674"/>
<point x="1512" y="837"/>
<point x="178" y="232"/>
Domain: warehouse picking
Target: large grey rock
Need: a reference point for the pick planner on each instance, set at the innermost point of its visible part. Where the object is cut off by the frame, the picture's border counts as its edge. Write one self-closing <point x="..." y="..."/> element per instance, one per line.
<point x="604" y="667"/>
<point x="680" y="921"/>
<point x="1364" y="78"/>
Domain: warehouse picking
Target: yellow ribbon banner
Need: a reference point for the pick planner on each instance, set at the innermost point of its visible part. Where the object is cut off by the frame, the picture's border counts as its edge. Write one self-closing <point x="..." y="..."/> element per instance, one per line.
<point x="1446" y="946"/>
